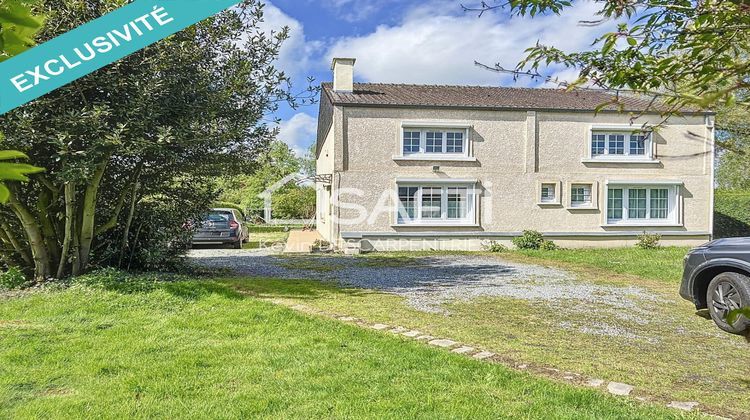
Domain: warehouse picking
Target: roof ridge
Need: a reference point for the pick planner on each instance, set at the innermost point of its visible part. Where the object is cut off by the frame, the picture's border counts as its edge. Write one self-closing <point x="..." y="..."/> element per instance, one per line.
<point x="551" y="89"/>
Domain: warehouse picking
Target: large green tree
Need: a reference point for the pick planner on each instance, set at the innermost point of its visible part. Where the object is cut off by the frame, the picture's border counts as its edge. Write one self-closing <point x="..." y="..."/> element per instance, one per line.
<point x="683" y="53"/>
<point x="129" y="149"/>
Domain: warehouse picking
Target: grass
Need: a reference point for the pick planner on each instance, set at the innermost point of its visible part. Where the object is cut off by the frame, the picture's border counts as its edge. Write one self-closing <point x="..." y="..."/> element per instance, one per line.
<point x="673" y="354"/>
<point x="140" y="348"/>
<point x="663" y="264"/>
<point x="263" y="239"/>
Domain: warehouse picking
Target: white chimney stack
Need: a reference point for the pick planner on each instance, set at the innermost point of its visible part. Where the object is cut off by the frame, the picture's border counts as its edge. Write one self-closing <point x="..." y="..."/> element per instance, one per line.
<point x="343" y="74"/>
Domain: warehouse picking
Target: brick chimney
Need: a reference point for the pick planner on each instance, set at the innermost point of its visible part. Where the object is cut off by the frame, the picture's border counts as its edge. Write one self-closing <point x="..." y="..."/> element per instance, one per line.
<point x="343" y="74"/>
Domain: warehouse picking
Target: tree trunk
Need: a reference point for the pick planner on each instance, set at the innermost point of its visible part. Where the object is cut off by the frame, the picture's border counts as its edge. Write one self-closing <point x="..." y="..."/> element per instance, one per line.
<point x="42" y="266"/>
<point x="50" y="238"/>
<point x="88" y="214"/>
<point x="129" y="221"/>
<point x="70" y="194"/>
<point x="16" y="244"/>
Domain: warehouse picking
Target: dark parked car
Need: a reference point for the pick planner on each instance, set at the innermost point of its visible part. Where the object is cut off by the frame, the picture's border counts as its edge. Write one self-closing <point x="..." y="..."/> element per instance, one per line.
<point x="221" y="227"/>
<point x="717" y="277"/>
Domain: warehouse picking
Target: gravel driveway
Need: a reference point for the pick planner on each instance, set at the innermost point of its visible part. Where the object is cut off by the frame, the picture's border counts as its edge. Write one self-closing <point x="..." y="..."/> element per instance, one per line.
<point x="429" y="282"/>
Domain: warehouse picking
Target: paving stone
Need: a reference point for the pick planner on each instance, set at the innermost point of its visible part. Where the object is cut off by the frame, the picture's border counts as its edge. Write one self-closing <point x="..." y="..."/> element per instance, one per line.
<point x="347" y="318"/>
<point x="399" y="330"/>
<point x="380" y="326"/>
<point x="617" y="388"/>
<point x="443" y="343"/>
<point x="412" y="334"/>
<point x="463" y="350"/>
<point x="483" y="355"/>
<point x="425" y="337"/>
<point x="595" y="382"/>
<point x="683" y="405"/>
<point x="522" y="366"/>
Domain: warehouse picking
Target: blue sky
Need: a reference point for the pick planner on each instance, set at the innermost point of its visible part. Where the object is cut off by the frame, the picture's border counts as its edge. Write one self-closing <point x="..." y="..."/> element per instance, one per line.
<point x="403" y="41"/>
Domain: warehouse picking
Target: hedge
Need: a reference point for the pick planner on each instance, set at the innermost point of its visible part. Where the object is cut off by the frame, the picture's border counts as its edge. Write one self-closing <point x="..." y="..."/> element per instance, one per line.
<point x="731" y="214"/>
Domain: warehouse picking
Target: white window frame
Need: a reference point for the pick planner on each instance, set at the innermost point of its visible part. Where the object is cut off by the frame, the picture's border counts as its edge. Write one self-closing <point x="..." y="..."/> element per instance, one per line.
<point x="625" y="157"/>
<point x="423" y="127"/>
<point x="594" y="195"/>
<point x="472" y="203"/>
<point x="673" y="210"/>
<point x="558" y="193"/>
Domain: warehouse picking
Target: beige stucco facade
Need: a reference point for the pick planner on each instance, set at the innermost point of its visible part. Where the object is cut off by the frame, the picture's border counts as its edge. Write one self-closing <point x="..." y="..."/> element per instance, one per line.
<point x="511" y="154"/>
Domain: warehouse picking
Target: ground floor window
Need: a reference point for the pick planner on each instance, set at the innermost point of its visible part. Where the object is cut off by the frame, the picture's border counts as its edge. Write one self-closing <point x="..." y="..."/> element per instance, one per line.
<point x="439" y="204"/>
<point x="642" y="204"/>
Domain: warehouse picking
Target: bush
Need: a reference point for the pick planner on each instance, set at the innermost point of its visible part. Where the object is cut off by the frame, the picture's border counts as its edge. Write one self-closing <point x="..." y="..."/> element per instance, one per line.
<point x="548" y="245"/>
<point x="530" y="239"/>
<point x="12" y="279"/>
<point x="648" y="240"/>
<point x="494" y="246"/>
<point x="731" y="214"/>
<point x="228" y="205"/>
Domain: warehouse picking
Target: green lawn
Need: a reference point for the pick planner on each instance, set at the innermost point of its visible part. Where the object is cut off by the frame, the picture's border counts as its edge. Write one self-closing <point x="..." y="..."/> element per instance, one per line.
<point x="263" y="239"/>
<point x="200" y="349"/>
<point x="663" y="264"/>
<point x="662" y="347"/>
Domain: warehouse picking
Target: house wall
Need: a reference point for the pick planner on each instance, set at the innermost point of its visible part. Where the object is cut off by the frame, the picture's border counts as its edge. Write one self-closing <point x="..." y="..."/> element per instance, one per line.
<point x="514" y="151"/>
<point x="324" y="165"/>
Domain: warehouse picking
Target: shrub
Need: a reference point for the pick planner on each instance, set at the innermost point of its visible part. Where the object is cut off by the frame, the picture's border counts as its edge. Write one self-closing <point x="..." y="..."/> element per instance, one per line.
<point x="228" y="205"/>
<point x="648" y="240"/>
<point x="548" y="245"/>
<point x="321" y="246"/>
<point x="12" y="279"/>
<point x="530" y="239"/>
<point x="732" y="214"/>
<point x="494" y="246"/>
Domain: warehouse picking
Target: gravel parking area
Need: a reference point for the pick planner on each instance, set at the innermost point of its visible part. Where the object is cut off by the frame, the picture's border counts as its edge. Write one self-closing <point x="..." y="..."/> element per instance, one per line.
<point x="429" y="282"/>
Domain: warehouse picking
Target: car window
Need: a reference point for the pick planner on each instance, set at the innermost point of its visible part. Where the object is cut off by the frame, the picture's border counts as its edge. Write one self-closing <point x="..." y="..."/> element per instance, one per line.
<point x="219" y="216"/>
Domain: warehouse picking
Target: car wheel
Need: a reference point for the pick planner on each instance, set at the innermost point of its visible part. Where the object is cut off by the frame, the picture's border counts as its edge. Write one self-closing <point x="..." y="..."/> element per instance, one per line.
<point x="727" y="292"/>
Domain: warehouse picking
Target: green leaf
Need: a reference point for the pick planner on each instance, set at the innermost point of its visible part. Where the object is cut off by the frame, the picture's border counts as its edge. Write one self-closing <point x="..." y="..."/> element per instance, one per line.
<point x="4" y="193"/>
<point x="632" y="41"/>
<point x="12" y="154"/>
<point x="17" y="171"/>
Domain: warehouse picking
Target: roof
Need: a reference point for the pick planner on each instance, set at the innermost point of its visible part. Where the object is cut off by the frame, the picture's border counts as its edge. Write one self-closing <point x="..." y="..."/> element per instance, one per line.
<point x="483" y="97"/>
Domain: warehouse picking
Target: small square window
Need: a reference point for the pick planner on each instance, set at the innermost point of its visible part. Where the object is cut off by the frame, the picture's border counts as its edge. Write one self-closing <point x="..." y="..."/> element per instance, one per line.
<point x="580" y="195"/>
<point x="548" y="193"/>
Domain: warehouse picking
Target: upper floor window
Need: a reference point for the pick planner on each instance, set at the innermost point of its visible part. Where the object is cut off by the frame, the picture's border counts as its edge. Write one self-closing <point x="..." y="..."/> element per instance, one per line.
<point x="620" y="145"/>
<point x="435" y="143"/>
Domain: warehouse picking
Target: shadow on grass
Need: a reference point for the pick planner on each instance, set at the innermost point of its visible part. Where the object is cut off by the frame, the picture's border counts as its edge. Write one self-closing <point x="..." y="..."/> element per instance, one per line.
<point x="191" y="289"/>
<point x="180" y="286"/>
<point x="274" y="288"/>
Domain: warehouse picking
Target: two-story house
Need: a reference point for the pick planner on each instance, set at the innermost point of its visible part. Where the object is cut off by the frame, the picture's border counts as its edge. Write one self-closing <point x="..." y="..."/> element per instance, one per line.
<point x="454" y="167"/>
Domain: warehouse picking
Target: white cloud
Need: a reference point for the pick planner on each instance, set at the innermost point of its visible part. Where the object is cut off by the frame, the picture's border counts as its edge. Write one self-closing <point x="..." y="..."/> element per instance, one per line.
<point x="357" y="10"/>
<point x="299" y="132"/>
<point x="433" y="44"/>
<point x="295" y="55"/>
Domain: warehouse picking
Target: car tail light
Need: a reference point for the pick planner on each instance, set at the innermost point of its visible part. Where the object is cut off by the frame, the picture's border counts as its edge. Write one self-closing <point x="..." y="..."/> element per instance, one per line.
<point x="233" y="225"/>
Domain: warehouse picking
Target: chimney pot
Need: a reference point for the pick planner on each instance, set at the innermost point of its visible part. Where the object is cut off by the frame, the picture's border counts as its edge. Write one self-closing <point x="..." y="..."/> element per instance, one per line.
<point x="343" y="74"/>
